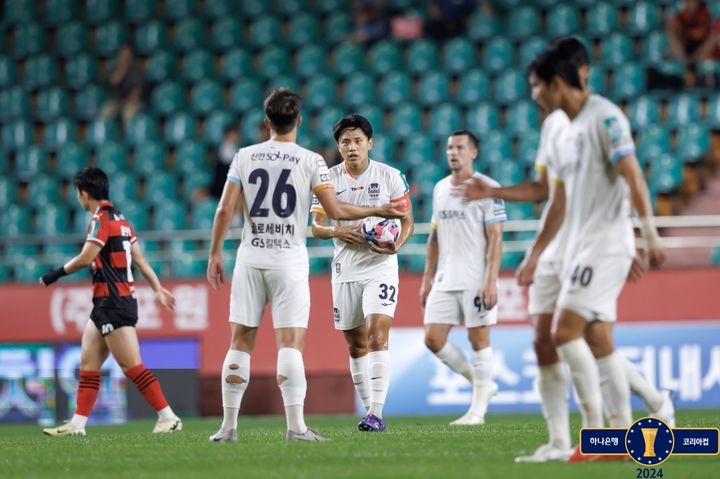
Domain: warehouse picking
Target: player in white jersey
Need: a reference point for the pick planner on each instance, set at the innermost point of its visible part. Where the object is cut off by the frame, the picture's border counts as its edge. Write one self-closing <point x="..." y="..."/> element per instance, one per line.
<point x="594" y="162"/>
<point x="273" y="182"/>
<point x="460" y="280"/>
<point x="544" y="291"/>
<point x="364" y="276"/>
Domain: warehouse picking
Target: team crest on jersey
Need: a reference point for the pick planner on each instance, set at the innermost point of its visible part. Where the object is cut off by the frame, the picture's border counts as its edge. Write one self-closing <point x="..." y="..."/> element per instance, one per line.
<point x="614" y="129"/>
<point x="374" y="190"/>
<point x="324" y="177"/>
<point x="336" y="315"/>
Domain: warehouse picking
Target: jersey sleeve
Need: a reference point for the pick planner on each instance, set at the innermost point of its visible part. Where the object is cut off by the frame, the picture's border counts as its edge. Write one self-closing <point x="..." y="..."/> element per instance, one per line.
<point x="399" y="188"/>
<point x="616" y="136"/>
<point x="541" y="157"/>
<point x="316" y="207"/>
<point x="98" y="230"/>
<point x="319" y="174"/>
<point x="494" y="209"/>
<point x="233" y="175"/>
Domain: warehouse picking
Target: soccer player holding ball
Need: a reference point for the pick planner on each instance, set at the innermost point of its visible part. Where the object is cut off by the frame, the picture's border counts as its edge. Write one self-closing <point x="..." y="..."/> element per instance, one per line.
<point x="365" y="266"/>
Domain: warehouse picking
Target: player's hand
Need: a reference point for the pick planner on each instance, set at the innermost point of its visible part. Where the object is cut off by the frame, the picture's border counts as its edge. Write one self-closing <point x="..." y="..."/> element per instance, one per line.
<point x="350" y="234"/>
<point x="637" y="269"/>
<point x="472" y="189"/>
<point x="393" y="249"/>
<point x="525" y="272"/>
<point x="166" y="298"/>
<point x="215" y="271"/>
<point x="425" y="288"/>
<point x="656" y="256"/>
<point x="395" y="209"/>
<point x="488" y="295"/>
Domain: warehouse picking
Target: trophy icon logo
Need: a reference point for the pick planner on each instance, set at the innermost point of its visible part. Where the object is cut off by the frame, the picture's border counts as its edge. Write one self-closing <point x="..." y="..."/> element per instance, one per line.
<point x="649" y="441"/>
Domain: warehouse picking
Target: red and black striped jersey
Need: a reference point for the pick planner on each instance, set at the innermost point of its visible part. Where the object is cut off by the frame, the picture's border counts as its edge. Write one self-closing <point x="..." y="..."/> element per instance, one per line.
<point x="112" y="273"/>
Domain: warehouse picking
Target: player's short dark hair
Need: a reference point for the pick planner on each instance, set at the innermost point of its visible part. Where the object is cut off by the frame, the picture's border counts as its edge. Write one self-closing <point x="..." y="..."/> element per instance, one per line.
<point x="282" y="108"/>
<point x="471" y="136"/>
<point x="94" y="182"/>
<point x="574" y="48"/>
<point x="558" y="60"/>
<point x="352" y="121"/>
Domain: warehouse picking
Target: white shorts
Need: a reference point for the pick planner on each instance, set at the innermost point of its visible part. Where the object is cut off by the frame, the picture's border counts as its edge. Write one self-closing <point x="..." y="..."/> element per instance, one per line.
<point x="545" y="289"/>
<point x="287" y="291"/>
<point x="592" y="284"/>
<point x="458" y="307"/>
<point x="354" y="301"/>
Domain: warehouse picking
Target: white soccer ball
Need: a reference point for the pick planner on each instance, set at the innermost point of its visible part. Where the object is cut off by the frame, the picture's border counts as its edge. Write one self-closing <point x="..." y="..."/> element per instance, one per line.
<point x="380" y="231"/>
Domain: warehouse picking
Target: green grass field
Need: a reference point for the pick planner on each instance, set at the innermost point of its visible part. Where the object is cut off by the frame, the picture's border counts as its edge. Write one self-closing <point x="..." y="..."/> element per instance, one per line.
<point x="412" y="447"/>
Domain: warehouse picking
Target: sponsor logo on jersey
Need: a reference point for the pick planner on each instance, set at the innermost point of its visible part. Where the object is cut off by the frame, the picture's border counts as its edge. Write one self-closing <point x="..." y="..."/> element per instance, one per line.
<point x="374" y="190"/>
<point x="356" y="188"/>
<point x="451" y="215"/>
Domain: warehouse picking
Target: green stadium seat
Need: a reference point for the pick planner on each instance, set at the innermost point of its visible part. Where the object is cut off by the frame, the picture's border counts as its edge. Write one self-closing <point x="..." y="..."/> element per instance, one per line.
<point x="683" y="109"/>
<point x="206" y="96"/>
<point x="17" y="135"/>
<point x="474" y="87"/>
<point x="245" y="95"/>
<point x="310" y="60"/>
<point x="523" y="22"/>
<point x="191" y="157"/>
<point x="373" y="114"/>
<point x="326" y="119"/>
<point x="58" y="12"/>
<point x="143" y="127"/>
<point x="482" y="26"/>
<point x="616" y="49"/>
<point x="290" y="8"/>
<point x="102" y="130"/>
<point x="177" y="10"/>
<point x="150" y="36"/>
<point x="80" y="70"/>
<point x="58" y="133"/>
<point x="29" y="40"/>
<point x="597" y="79"/>
<point x="226" y="33"/>
<point x="8" y="192"/>
<point x="434" y="88"/>
<point x="71" y="39"/>
<point x="111" y="157"/>
<point x="628" y="81"/>
<point x="29" y="271"/>
<point x="303" y="29"/>
<point x="715" y="255"/>
<point x="72" y="157"/>
<point x="51" y="219"/>
<point x="459" y="55"/>
<point x="60" y="252"/>
<point x="347" y="58"/>
<point x="265" y="31"/>
<point x="444" y="119"/>
<point x="643" y="111"/>
<point x="273" y="61"/>
<point x="422" y="55"/>
<point x="15" y="220"/>
<point x="51" y="103"/>
<point x="482" y="118"/>
<point x="644" y="17"/>
<point x="656" y="47"/>
<point x="124" y="191"/>
<point x="653" y="141"/>
<point x="150" y="157"/>
<point x="564" y="19"/>
<point x="8" y="72"/>
<point x="529" y="49"/>
<point x="284" y="81"/>
<point x="509" y="172"/>
<point x="383" y="148"/>
<point x="88" y="102"/>
<point x="214" y="126"/>
<point x="384" y="57"/>
<point x="81" y="218"/>
<point x="197" y="65"/>
<point x="604" y="17"/>
<point x="203" y="213"/>
<point x="235" y="64"/>
<point x="252" y="120"/>
<point x="528" y="145"/>
<point x="522" y="117"/>
<point x="109" y="37"/>
<point x="180" y="127"/>
<point x="189" y="35"/>
<point x="498" y="54"/>
<point x="518" y="211"/>
<point x="693" y="143"/>
<point x="192" y="183"/>
<point x="359" y="90"/>
<point x="43" y="190"/>
<point x="40" y="72"/>
<point x="17" y="12"/>
<point x="336" y="27"/>
<point x="329" y="6"/>
<point x="510" y="86"/>
<point x="31" y="162"/>
<point x="100" y="11"/>
<point x="494" y="147"/>
<point x="666" y="174"/>
<point x="15" y="103"/>
<point x="395" y="88"/>
<point x="712" y="118"/>
<point x="168" y="98"/>
<point x="254" y="8"/>
<point x="179" y="246"/>
<point x="406" y="121"/>
<point x="220" y="9"/>
<point x="161" y="190"/>
<point x="511" y="260"/>
<point x="160" y="67"/>
<point x="320" y="92"/>
<point x="187" y="265"/>
<point x="139" y="11"/>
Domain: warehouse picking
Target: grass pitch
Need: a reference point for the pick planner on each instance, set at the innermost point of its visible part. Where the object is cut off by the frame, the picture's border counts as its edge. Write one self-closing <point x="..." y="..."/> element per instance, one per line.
<point x="412" y="447"/>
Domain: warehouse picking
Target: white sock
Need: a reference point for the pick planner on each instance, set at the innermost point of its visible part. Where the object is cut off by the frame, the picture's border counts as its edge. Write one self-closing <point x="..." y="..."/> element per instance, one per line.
<point x="359" y="373"/>
<point x="78" y="421"/>
<point x="166" y="414"/>
<point x="585" y="377"/>
<point x="379" y="373"/>
<point x="455" y="359"/>
<point x="482" y="381"/>
<point x="553" y="386"/>
<point x="234" y="378"/>
<point x="615" y="390"/>
<point x="293" y="386"/>
<point x="652" y="398"/>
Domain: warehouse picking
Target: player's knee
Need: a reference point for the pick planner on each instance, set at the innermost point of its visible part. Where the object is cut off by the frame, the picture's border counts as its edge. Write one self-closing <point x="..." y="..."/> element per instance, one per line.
<point x="377" y="342"/>
<point x="357" y="351"/>
<point x="434" y="343"/>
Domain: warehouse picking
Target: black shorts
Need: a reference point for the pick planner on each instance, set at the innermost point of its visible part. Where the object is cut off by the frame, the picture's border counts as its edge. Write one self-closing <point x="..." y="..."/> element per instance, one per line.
<point x="108" y="320"/>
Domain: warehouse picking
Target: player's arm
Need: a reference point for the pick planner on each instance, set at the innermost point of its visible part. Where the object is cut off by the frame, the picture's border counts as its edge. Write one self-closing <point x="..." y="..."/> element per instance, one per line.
<point x="230" y="199"/>
<point x="548" y="230"/>
<point x="322" y="229"/>
<point x="628" y="168"/>
<point x="339" y="210"/>
<point x="493" y="233"/>
<point x="163" y="295"/>
<point x="530" y="191"/>
<point x="86" y="256"/>
<point x="431" y="262"/>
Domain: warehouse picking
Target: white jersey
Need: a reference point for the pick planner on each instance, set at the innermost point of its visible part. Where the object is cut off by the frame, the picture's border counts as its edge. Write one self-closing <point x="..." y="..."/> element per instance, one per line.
<point x="598" y="207"/>
<point x="278" y="181"/>
<point x="461" y="237"/>
<point x="378" y="184"/>
<point x="553" y="125"/>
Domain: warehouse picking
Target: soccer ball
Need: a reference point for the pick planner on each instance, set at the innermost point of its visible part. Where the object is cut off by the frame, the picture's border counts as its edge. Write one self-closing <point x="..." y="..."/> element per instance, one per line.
<point x="383" y="232"/>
